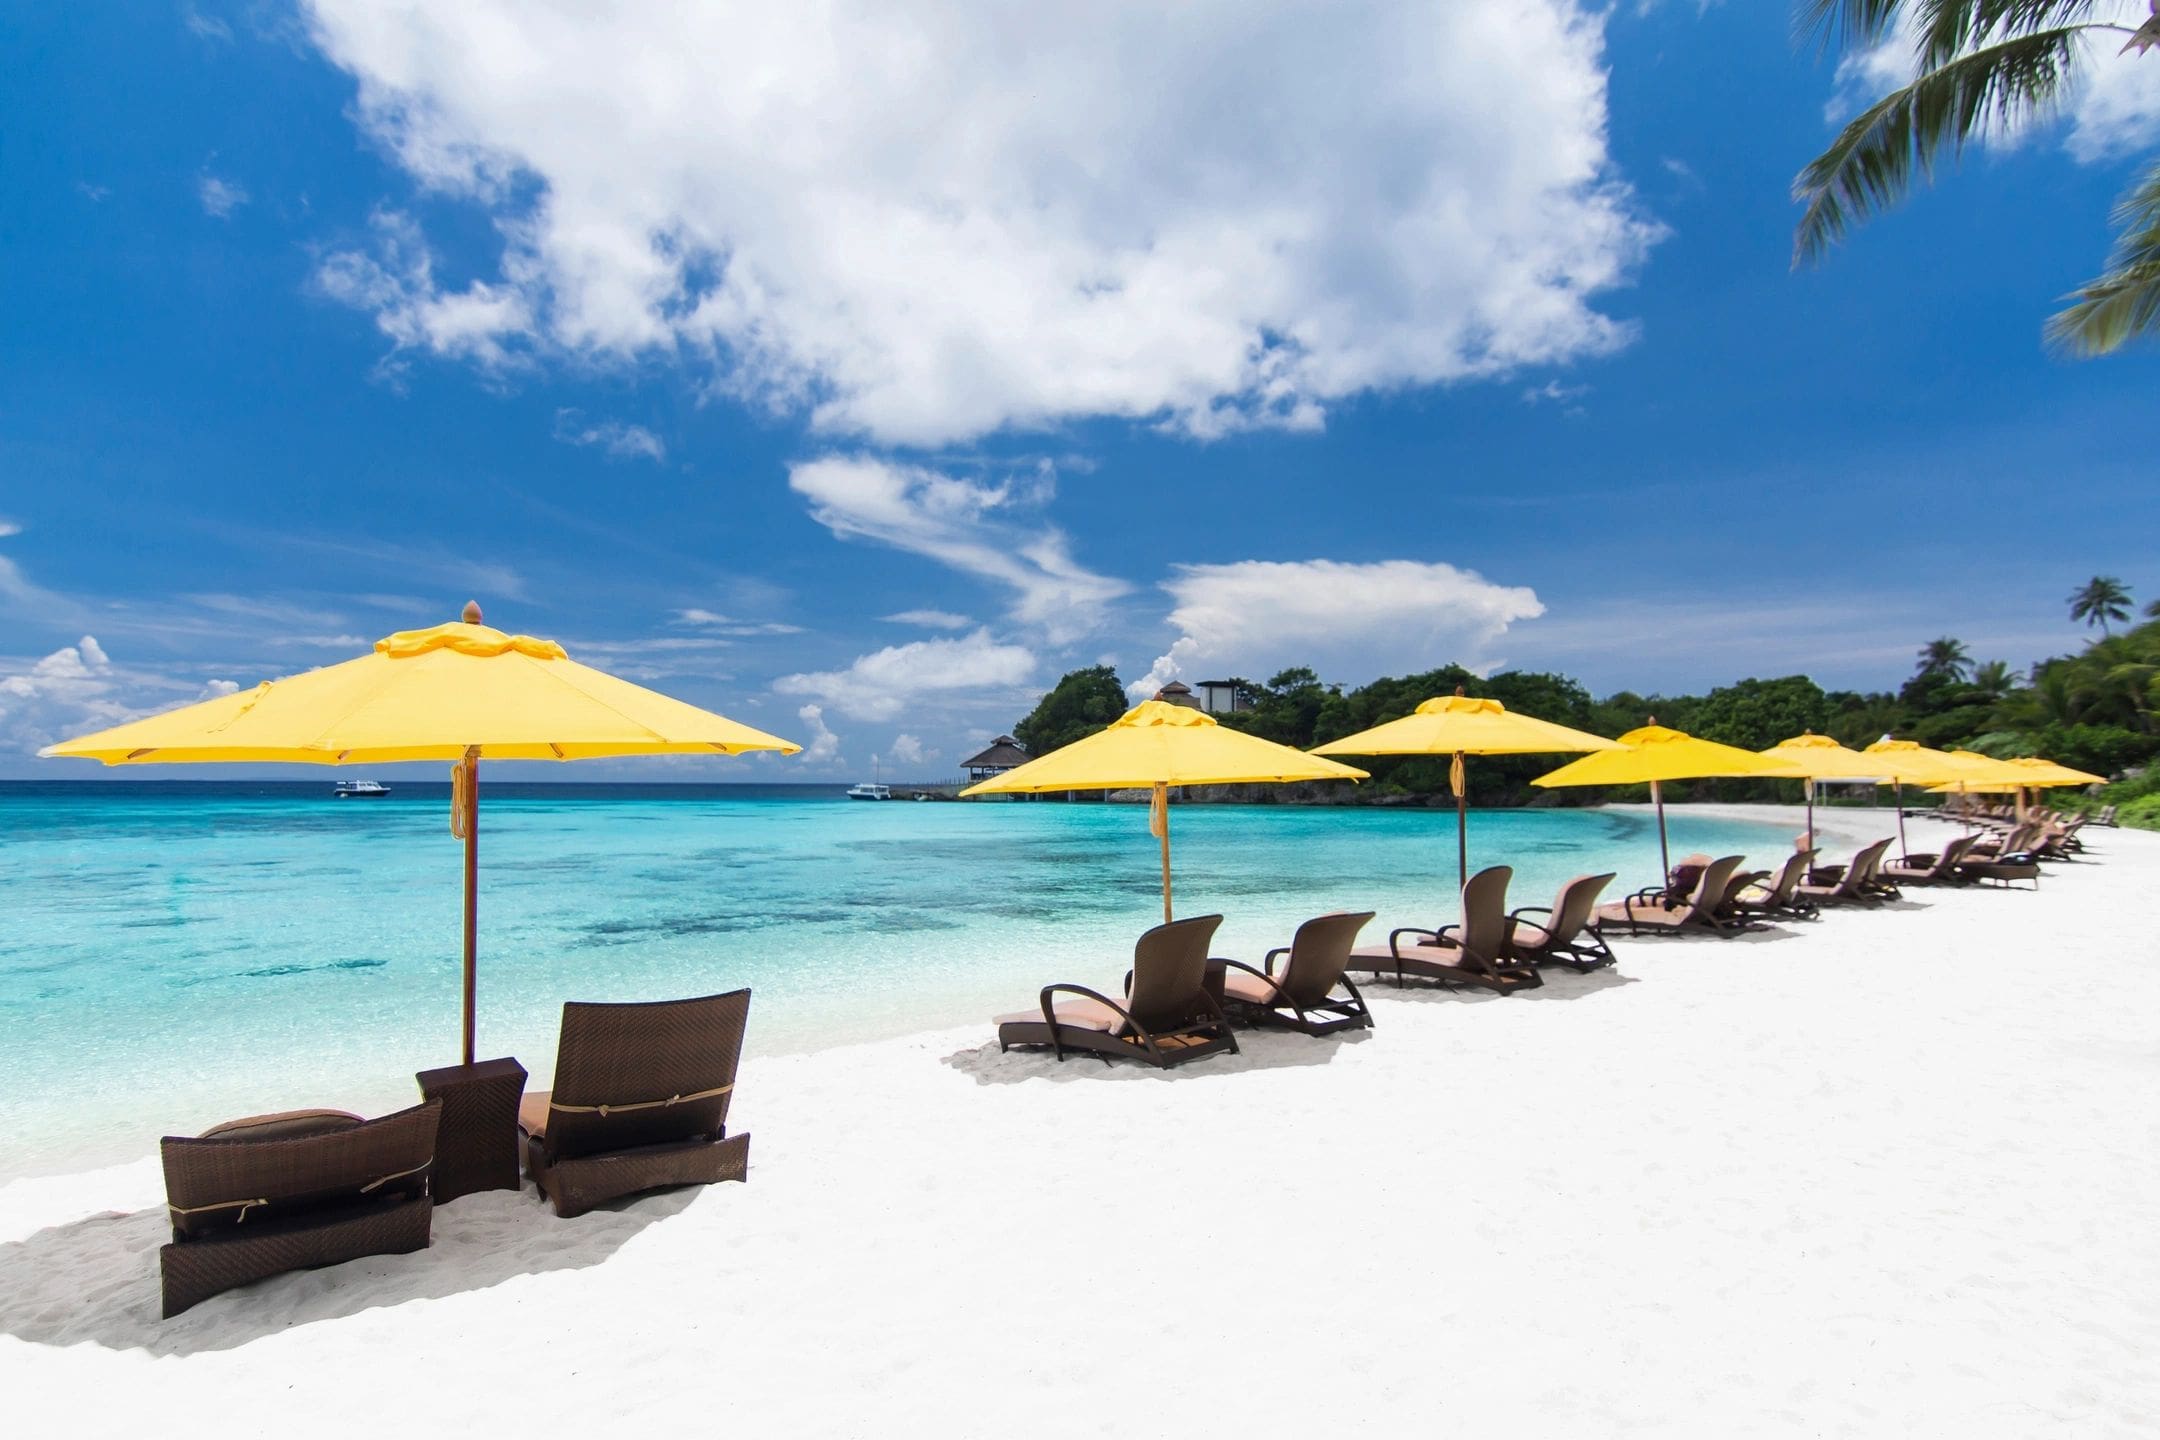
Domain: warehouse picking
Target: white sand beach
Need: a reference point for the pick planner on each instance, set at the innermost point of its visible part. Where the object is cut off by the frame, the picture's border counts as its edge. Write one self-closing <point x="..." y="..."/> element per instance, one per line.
<point x="1892" y="1173"/>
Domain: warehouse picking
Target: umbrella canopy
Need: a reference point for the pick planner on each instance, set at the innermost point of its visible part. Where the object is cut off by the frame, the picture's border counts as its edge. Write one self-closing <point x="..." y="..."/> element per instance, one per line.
<point x="1158" y="744"/>
<point x="1462" y="725"/>
<point x="457" y="692"/>
<point x="1655" y="754"/>
<point x="430" y="695"/>
<point x="1909" y="762"/>
<point x="2043" y="773"/>
<point x="1818" y="757"/>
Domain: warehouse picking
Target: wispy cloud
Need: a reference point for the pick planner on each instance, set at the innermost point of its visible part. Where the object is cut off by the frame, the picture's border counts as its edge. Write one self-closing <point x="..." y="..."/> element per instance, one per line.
<point x="220" y="197"/>
<point x="930" y="619"/>
<point x="972" y="527"/>
<point x="205" y="27"/>
<point x="720" y="624"/>
<point x="93" y="193"/>
<point x="618" y="440"/>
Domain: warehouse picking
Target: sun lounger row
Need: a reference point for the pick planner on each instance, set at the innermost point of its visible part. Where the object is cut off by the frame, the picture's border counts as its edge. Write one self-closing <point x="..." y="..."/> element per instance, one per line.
<point x="640" y="1102"/>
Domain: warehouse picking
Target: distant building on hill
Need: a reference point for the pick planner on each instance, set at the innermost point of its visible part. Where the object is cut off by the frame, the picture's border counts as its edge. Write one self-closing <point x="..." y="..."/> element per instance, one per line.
<point x="1004" y="754"/>
<point x="1224" y="697"/>
<point x="1177" y="692"/>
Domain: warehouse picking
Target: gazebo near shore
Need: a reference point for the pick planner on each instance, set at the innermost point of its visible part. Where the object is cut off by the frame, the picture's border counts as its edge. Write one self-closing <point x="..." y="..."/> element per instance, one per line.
<point x="1004" y="754"/>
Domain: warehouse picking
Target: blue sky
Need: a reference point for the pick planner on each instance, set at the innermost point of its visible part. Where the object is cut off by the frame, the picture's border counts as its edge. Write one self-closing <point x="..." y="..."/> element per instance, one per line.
<point x="709" y="345"/>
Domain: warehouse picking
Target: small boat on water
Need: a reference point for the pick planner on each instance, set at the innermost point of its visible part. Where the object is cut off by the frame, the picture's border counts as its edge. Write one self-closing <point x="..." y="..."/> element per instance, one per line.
<point x="867" y="790"/>
<point x="361" y="789"/>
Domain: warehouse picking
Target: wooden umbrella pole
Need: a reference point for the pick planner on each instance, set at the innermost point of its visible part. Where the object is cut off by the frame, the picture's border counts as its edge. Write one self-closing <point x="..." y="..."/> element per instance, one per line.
<point x="1657" y="798"/>
<point x="1809" y="786"/>
<point x="1897" y="791"/>
<point x="1462" y="822"/>
<point x="471" y="781"/>
<point x="1162" y="798"/>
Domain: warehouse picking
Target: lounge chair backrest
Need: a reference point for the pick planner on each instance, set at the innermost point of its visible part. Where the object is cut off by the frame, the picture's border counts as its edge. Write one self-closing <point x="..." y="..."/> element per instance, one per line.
<point x="1865" y="864"/>
<point x="1574" y="905"/>
<point x="1953" y="853"/>
<point x="644" y="1074"/>
<point x="1789" y="878"/>
<point x="216" y="1182"/>
<point x="1169" y="971"/>
<point x="1484" y="912"/>
<point x="1318" y="954"/>
<point x="1715" y="886"/>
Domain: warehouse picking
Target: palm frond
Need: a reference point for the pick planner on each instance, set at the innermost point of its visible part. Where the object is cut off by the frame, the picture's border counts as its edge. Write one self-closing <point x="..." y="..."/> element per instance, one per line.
<point x="1874" y="160"/>
<point x="1848" y="24"/>
<point x="2124" y="303"/>
<point x="1949" y="28"/>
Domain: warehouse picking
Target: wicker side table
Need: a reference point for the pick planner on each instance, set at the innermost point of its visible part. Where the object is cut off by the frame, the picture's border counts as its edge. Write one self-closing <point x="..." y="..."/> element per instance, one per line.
<point x="476" y="1146"/>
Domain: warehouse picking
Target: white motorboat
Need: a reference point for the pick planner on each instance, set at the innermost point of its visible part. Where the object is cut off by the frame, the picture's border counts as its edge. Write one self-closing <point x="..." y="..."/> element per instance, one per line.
<point x="361" y="789"/>
<point x="866" y="790"/>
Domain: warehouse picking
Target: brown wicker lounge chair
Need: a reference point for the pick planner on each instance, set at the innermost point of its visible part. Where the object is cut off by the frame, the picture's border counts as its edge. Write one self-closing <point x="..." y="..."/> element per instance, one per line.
<point x="1656" y="910"/>
<point x="1167" y="1016"/>
<point x="257" y="1197"/>
<point x="1567" y="934"/>
<point x="1759" y="896"/>
<point x="1303" y="995"/>
<point x="1471" y="953"/>
<point x="1845" y="884"/>
<point x="640" y="1101"/>
<point x="1938" y="869"/>
<point x="2001" y="869"/>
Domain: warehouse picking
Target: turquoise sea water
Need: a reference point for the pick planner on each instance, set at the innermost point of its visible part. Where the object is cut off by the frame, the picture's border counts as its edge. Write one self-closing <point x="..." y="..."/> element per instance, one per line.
<point x="174" y="954"/>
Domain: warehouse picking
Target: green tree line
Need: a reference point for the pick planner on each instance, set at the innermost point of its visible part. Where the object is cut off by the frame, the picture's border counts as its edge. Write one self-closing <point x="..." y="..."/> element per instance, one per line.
<point x="2097" y="710"/>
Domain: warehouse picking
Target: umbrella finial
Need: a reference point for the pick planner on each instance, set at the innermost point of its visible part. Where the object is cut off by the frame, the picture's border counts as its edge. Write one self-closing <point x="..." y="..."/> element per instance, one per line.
<point x="1651" y="721"/>
<point x="1458" y="690"/>
<point x="471" y="615"/>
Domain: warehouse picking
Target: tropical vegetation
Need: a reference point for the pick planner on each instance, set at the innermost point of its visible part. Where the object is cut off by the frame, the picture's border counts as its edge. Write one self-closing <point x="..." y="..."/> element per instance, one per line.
<point x="1982" y="67"/>
<point x="2097" y="710"/>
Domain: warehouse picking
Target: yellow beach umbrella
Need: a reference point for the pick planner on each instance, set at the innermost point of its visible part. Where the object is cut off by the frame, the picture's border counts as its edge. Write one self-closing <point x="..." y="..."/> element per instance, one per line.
<point x="1908" y="762"/>
<point x="2043" y="774"/>
<point x="1157" y="744"/>
<point x="1818" y="757"/>
<point x="458" y="692"/>
<point x="1460" y="725"/>
<point x="1655" y="754"/>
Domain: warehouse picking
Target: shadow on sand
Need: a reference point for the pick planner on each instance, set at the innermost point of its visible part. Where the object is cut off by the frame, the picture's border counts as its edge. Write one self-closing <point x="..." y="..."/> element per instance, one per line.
<point x="1257" y="1050"/>
<point x="95" y="1280"/>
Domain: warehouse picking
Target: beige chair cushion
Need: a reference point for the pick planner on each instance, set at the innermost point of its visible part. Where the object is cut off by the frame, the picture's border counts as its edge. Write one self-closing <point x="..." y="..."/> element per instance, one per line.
<point x="1531" y="935"/>
<point x="284" y="1125"/>
<point x="1079" y="1012"/>
<point x="1238" y="985"/>
<point x="533" y="1112"/>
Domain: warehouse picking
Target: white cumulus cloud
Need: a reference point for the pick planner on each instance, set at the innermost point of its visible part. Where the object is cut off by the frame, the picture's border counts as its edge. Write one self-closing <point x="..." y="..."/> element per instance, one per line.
<point x="978" y="528"/>
<point x="920" y="222"/>
<point x="1352" y="620"/>
<point x="908" y="750"/>
<point x="885" y="683"/>
<point x="824" y="746"/>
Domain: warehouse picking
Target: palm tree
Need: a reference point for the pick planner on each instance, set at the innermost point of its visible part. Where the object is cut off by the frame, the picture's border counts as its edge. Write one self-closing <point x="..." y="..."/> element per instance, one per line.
<point x="1945" y="657"/>
<point x="1983" y="65"/>
<point x="1993" y="679"/>
<point x="2099" y="600"/>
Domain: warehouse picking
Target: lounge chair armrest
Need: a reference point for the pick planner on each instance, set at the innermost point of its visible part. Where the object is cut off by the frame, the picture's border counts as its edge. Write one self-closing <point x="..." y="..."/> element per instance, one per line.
<point x="1050" y="1011"/>
<point x="1267" y="961"/>
<point x="1517" y="914"/>
<point x="1394" y="938"/>
<point x="1258" y="974"/>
